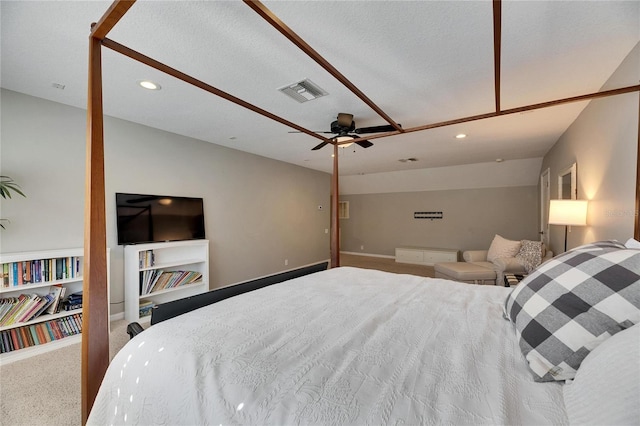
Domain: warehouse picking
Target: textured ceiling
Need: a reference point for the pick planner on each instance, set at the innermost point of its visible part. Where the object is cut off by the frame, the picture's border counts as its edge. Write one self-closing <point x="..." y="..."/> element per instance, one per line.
<point x="420" y="61"/>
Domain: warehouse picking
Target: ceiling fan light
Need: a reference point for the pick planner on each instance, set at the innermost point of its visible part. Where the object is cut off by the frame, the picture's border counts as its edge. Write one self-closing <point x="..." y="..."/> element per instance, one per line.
<point x="344" y="141"/>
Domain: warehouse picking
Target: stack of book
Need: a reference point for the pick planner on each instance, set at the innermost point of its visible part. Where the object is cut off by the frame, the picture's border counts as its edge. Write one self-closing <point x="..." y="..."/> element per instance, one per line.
<point x="40" y="333"/>
<point x="145" y="307"/>
<point x="156" y="280"/>
<point x="74" y="301"/>
<point x="27" y="307"/>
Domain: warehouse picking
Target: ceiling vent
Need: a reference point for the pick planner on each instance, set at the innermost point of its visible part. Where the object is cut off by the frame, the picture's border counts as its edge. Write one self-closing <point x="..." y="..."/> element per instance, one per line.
<point x="303" y="91"/>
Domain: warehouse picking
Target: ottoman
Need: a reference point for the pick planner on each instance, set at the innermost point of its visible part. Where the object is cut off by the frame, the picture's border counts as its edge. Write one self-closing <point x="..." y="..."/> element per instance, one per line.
<point x="468" y="272"/>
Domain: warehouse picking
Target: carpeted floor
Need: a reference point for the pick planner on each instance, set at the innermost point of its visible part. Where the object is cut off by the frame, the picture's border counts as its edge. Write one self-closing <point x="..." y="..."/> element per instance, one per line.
<point x="45" y="389"/>
<point x="385" y="264"/>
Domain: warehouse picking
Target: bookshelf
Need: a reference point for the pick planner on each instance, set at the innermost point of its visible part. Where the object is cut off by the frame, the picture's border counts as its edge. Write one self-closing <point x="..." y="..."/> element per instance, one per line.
<point x="45" y="280"/>
<point x="156" y="273"/>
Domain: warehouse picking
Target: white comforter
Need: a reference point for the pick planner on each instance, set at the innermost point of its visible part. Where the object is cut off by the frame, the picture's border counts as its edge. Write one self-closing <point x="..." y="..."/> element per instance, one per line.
<point x="343" y="346"/>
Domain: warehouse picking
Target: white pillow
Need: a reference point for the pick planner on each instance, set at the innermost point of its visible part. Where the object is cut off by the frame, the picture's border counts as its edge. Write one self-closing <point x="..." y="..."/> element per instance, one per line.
<point x="632" y="244"/>
<point x="606" y="389"/>
<point x="501" y="247"/>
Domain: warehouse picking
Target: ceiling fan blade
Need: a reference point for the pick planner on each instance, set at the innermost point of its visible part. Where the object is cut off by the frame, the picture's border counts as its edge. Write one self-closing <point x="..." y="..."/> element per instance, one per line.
<point x="364" y="143"/>
<point x="320" y="145"/>
<point x="376" y="129"/>
<point x="314" y="131"/>
<point x="345" y="120"/>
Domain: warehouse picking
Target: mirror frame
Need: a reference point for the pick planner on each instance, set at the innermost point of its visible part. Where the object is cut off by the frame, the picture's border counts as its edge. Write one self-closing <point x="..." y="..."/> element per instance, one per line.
<point x="572" y="171"/>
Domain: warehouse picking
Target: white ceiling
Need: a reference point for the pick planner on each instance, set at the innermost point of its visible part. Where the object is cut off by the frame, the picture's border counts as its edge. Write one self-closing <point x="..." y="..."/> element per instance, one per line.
<point x="420" y="61"/>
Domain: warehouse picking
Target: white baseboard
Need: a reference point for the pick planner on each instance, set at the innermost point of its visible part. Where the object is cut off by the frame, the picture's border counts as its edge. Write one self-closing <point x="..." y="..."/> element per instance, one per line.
<point x="386" y="256"/>
<point x="116" y="317"/>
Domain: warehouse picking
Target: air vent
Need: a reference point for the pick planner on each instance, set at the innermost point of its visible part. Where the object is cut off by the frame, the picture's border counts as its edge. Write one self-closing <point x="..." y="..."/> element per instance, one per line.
<point x="303" y="91"/>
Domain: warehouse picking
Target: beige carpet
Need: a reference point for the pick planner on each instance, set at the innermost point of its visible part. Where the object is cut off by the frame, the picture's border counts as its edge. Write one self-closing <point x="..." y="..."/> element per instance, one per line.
<point x="385" y="264"/>
<point x="45" y="389"/>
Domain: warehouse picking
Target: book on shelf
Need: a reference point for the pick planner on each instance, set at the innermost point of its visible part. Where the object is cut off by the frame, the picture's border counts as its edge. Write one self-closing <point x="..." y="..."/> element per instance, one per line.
<point x="27" y="307"/>
<point x="147" y="259"/>
<point x="30" y="308"/>
<point x="40" y="333"/>
<point x="57" y="291"/>
<point x="74" y="301"/>
<point x="160" y="280"/>
<point x="49" y="299"/>
<point x="145" y="307"/>
<point x="14" y="274"/>
<point x="17" y="304"/>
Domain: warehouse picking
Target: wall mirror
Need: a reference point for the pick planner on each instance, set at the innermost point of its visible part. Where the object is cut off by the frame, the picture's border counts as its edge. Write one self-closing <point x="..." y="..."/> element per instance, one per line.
<point x="567" y="183"/>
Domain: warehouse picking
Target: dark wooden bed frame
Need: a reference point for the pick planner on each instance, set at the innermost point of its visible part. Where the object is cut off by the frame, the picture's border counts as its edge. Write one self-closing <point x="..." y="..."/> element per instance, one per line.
<point x="165" y="311"/>
<point x="95" y="333"/>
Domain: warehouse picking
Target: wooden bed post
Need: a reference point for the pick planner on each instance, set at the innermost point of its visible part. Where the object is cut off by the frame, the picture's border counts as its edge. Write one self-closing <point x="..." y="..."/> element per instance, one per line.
<point x="636" y="222"/>
<point x="95" y="310"/>
<point x="335" y="221"/>
<point x="95" y="301"/>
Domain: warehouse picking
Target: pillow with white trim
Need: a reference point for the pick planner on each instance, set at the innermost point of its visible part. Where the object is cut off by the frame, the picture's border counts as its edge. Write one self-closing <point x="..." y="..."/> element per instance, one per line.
<point x="606" y="389"/>
<point x="501" y="247"/>
<point x="570" y="304"/>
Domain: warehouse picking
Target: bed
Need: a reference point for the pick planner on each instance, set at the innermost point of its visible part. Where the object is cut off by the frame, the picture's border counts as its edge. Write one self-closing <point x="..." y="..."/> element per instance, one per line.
<point x="342" y="346"/>
<point x="359" y="346"/>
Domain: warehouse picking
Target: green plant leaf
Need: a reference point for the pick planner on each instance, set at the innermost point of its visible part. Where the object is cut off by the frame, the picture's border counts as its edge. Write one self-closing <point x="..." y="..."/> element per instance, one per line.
<point x="7" y="185"/>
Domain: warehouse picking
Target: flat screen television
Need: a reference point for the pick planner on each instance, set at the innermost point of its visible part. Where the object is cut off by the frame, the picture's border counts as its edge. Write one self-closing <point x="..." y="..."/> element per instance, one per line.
<point x="157" y="218"/>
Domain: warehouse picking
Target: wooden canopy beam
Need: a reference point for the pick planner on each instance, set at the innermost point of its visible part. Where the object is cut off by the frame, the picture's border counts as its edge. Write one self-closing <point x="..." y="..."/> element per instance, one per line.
<point x="606" y="93"/>
<point x="110" y="18"/>
<point x="117" y="47"/>
<point x="275" y="22"/>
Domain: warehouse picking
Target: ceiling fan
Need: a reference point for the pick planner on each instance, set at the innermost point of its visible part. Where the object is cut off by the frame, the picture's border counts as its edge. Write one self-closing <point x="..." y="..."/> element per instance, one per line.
<point x="346" y="133"/>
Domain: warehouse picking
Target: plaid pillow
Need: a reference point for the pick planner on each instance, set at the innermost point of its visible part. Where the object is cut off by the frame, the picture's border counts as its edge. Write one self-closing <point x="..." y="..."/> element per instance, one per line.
<point x="572" y="303"/>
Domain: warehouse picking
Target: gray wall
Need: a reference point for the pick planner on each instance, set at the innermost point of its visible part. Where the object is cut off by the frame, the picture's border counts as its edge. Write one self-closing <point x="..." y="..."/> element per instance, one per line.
<point x="258" y="211"/>
<point x="382" y="222"/>
<point x="603" y="142"/>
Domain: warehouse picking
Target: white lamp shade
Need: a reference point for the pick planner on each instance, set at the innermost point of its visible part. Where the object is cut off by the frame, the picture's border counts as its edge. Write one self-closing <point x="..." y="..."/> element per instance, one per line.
<point x="568" y="212"/>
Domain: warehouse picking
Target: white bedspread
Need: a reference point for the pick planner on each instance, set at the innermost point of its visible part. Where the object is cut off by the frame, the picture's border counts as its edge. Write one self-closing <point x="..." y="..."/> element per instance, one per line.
<point x="343" y="346"/>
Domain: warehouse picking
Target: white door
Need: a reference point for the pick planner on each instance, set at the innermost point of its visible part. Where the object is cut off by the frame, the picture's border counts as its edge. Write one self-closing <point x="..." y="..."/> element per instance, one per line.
<point x="545" y="195"/>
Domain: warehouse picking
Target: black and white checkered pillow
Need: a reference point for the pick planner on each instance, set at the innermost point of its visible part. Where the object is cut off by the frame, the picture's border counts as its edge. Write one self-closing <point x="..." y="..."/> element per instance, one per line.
<point x="572" y="303"/>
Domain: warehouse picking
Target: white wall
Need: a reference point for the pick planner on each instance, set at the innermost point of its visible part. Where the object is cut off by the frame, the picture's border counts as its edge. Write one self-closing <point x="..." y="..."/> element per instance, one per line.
<point x="603" y="142"/>
<point x="258" y="211"/>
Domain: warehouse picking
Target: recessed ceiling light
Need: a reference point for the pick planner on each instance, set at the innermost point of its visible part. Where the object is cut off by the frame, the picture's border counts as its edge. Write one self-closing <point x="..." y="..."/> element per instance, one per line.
<point x="147" y="84"/>
<point x="461" y="136"/>
<point x="499" y="160"/>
